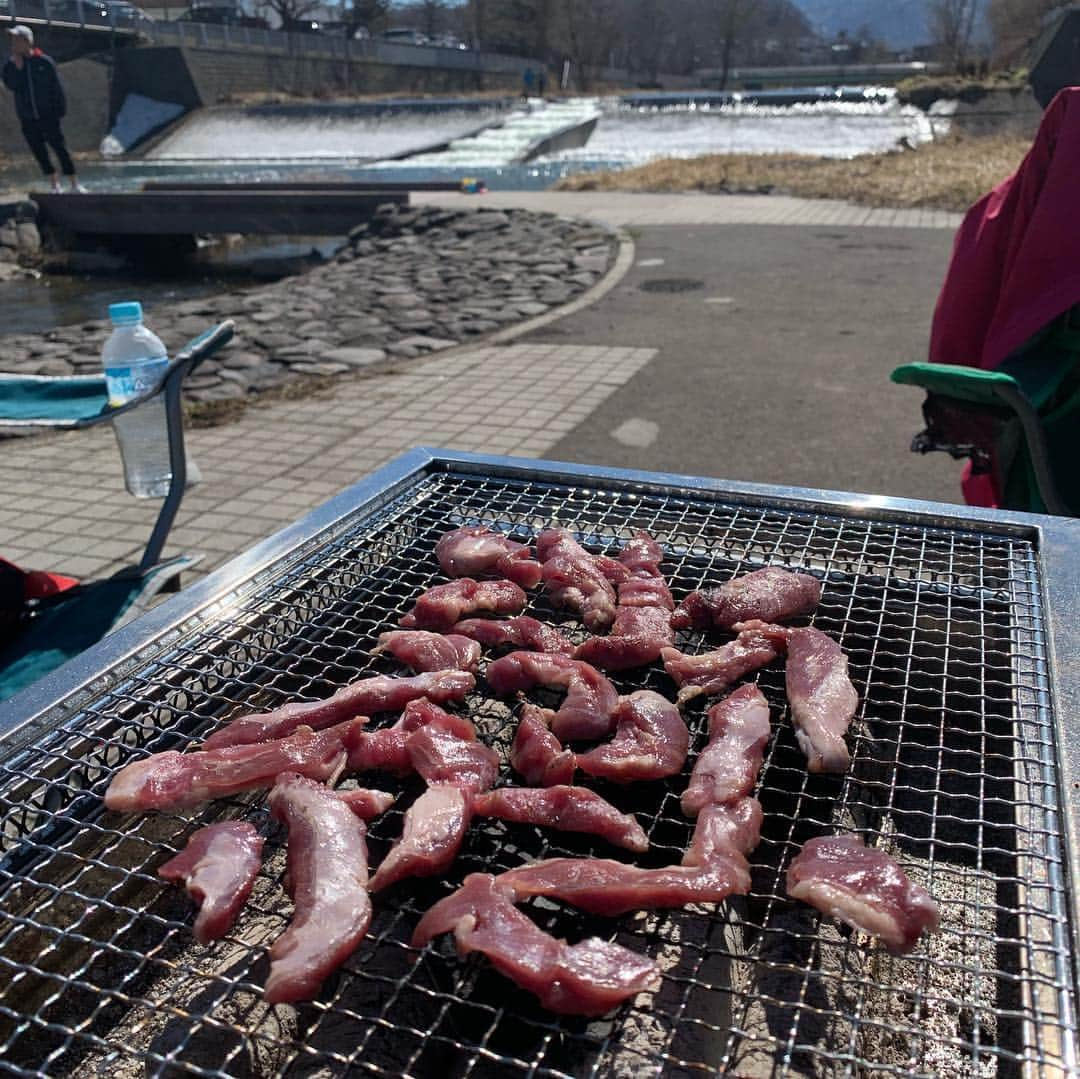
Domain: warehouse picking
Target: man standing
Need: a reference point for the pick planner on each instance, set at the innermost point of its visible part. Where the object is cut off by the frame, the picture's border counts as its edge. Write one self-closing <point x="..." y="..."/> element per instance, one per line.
<point x="39" y="103"/>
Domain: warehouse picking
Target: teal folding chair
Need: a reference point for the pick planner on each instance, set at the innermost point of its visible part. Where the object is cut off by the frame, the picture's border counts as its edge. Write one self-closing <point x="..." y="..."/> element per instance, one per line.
<point x="59" y="627"/>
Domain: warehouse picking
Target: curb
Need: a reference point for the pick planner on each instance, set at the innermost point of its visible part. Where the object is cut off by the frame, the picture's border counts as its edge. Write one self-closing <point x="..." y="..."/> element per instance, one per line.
<point x="624" y="260"/>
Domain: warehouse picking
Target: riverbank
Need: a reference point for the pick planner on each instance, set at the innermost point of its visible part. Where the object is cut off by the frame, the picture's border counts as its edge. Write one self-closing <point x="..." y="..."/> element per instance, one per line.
<point x="413" y="281"/>
<point x="949" y="174"/>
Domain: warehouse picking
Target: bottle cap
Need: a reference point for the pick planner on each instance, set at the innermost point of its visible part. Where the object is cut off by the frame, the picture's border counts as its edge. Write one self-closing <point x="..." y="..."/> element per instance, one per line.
<point x="125" y="314"/>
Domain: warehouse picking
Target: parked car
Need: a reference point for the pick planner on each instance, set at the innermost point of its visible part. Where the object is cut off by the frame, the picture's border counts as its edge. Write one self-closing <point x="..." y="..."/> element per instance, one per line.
<point x="448" y="41"/>
<point x="405" y="37"/>
<point x="123" y="13"/>
<point x="222" y="15"/>
<point x="302" y="26"/>
<point x="22" y="9"/>
<point x="345" y="29"/>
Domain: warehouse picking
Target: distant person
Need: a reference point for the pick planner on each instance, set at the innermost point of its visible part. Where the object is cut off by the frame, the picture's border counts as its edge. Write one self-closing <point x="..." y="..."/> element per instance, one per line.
<point x="541" y="83"/>
<point x="39" y="104"/>
<point x="528" y="79"/>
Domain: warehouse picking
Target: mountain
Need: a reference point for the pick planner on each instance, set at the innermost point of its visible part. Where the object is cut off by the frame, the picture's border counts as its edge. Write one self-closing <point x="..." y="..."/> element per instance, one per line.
<point x="899" y="23"/>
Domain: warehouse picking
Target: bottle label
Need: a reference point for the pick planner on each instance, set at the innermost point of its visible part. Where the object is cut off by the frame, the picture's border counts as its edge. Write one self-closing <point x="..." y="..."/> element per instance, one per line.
<point x="130" y="381"/>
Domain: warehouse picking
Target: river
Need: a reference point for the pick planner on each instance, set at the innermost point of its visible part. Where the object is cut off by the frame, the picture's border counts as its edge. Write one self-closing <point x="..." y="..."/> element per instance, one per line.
<point x="352" y="142"/>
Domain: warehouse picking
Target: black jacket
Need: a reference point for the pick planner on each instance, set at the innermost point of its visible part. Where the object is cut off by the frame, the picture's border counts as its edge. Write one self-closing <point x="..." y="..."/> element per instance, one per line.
<point x="37" y="89"/>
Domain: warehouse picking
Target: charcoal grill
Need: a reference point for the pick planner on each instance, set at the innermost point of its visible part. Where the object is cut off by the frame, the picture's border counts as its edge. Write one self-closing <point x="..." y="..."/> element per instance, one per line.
<point x="961" y="631"/>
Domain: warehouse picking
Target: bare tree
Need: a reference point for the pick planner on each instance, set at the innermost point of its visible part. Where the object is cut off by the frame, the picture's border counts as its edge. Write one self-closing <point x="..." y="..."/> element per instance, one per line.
<point x="952" y="23"/>
<point x="734" y="15"/>
<point x="290" y="13"/>
<point x="367" y="13"/>
<point x="651" y="36"/>
<point x="432" y="16"/>
<point x="587" y="34"/>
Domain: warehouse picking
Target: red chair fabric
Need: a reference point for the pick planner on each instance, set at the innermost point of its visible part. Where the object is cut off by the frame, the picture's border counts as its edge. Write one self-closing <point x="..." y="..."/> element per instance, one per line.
<point x="1016" y="259"/>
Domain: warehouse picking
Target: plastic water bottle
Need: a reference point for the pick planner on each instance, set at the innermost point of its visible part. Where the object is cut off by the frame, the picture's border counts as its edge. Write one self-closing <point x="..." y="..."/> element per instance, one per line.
<point x="135" y="360"/>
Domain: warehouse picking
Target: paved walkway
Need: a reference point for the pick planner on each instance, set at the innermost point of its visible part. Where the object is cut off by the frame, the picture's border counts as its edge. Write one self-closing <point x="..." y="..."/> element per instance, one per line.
<point x="621" y="208"/>
<point x="62" y="497"/>
<point x="64" y="502"/>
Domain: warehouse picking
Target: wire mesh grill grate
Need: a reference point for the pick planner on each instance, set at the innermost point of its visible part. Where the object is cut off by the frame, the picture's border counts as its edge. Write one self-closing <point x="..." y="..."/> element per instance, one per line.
<point x="953" y="772"/>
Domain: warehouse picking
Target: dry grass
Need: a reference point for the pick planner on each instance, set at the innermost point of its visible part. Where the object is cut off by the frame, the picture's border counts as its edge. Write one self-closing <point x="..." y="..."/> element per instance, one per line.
<point x="946" y="175"/>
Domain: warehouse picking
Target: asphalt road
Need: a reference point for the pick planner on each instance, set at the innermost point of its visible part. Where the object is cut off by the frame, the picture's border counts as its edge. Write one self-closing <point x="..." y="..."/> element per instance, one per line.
<point x="774" y="363"/>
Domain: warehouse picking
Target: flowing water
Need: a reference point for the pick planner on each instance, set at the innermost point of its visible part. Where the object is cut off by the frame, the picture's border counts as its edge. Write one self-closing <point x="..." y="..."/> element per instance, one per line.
<point x="340" y="131"/>
<point x="629" y="136"/>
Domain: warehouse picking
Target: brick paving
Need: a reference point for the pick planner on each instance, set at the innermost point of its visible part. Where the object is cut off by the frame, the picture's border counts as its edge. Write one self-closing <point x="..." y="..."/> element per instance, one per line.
<point x="626" y="209"/>
<point x="65" y="507"/>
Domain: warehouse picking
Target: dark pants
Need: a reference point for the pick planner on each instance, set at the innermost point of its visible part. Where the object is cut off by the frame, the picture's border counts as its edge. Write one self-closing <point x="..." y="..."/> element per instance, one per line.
<point x="46" y="131"/>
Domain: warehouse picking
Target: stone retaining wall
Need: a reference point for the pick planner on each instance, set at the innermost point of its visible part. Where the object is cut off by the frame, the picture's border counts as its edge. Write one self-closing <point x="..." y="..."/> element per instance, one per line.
<point x="194" y="76"/>
<point x="995" y="112"/>
<point x="20" y="241"/>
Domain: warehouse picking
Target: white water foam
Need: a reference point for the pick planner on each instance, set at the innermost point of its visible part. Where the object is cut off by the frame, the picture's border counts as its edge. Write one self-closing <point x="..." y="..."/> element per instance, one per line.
<point x="237" y="134"/>
<point x="507" y="143"/>
<point x="631" y="136"/>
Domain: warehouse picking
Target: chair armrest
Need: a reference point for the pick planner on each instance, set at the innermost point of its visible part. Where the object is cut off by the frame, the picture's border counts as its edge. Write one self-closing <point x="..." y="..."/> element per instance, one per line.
<point x="187" y="360"/>
<point x="970" y="384"/>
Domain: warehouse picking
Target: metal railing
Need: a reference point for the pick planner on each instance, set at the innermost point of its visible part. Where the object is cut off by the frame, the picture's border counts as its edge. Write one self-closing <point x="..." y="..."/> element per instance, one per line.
<point x="74" y="14"/>
<point x="330" y="46"/>
<point x="88" y="15"/>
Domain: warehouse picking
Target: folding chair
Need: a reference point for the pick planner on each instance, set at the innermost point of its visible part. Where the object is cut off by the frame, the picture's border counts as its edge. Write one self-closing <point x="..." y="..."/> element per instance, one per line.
<point x="60" y="626"/>
<point x="1019" y="423"/>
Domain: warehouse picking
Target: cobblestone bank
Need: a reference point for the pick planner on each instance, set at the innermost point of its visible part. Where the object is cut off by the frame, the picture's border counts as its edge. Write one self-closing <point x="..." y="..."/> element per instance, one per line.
<point x="20" y="241"/>
<point x="412" y="281"/>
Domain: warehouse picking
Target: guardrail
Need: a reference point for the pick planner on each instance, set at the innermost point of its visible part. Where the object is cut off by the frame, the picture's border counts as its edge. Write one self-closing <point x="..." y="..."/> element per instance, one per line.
<point x="71" y="15"/>
<point x="84" y="15"/>
<point x="330" y="46"/>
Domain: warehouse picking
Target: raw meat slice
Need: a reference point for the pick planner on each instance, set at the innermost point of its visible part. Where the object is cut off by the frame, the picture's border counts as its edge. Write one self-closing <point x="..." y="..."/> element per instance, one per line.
<point x="651" y="741"/>
<point x="589" y="708"/>
<point x="725" y="832"/>
<point x="367" y="803"/>
<point x="864" y="888"/>
<point x="434" y="829"/>
<point x="589" y="978"/>
<point x="712" y="672"/>
<point x="638" y="636"/>
<point x="218" y="868"/>
<point x="646" y="592"/>
<point x="537" y="755"/>
<point x="566" y="809"/>
<point x="480" y="552"/>
<point x="822" y="698"/>
<point x="426" y="651"/>
<point x="520" y="632"/>
<point x="365" y="697"/>
<point x="327" y="878"/>
<point x="771" y="594"/>
<point x="440" y="607"/>
<point x="386" y="750"/>
<point x="574" y="578"/>
<point x="728" y="766"/>
<point x="446" y="751"/>
<point x="174" y="780"/>
<point x="642" y="555"/>
<point x="602" y="886"/>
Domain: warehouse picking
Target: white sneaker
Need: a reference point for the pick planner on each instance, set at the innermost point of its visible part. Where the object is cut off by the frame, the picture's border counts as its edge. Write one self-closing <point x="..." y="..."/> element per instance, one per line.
<point x="78" y="189"/>
<point x="56" y="188"/>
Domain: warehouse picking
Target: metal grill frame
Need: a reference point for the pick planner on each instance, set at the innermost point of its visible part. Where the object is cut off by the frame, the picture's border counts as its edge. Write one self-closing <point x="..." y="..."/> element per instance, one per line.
<point x="39" y="709"/>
